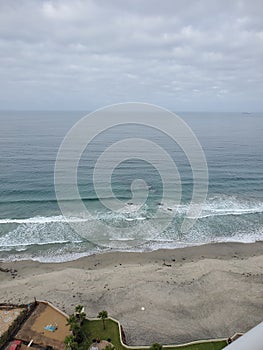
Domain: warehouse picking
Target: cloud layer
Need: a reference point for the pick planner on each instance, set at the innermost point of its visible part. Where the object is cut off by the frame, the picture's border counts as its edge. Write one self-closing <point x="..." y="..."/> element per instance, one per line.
<point x="84" y="54"/>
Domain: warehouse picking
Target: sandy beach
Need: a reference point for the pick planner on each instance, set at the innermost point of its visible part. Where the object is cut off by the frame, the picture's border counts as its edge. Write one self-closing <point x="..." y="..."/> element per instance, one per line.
<point x="187" y="294"/>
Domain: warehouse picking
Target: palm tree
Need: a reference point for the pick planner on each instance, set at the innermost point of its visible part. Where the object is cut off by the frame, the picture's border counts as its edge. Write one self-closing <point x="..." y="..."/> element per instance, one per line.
<point x="156" y="346"/>
<point x="77" y="332"/>
<point x="103" y="315"/>
<point x="75" y="328"/>
<point x="79" y="308"/>
<point x="70" y="342"/>
<point x="72" y="319"/>
<point x="80" y="314"/>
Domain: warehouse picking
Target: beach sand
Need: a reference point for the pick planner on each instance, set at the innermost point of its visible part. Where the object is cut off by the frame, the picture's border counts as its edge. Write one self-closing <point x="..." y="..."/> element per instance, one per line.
<point x="188" y="294"/>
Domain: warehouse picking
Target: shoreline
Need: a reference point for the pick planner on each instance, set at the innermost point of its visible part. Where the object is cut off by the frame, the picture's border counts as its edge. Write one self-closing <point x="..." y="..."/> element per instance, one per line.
<point x="209" y="249"/>
<point x="191" y="293"/>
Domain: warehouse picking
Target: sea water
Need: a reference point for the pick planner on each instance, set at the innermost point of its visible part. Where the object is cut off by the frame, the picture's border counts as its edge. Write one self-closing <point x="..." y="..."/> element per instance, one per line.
<point x="33" y="227"/>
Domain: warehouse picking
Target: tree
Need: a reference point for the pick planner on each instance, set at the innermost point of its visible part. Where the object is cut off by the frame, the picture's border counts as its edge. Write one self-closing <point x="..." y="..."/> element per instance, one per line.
<point x="70" y="342"/>
<point x="72" y="319"/>
<point x="79" y="309"/>
<point x="156" y="346"/>
<point x="103" y="315"/>
<point x="80" y="314"/>
<point x="75" y="328"/>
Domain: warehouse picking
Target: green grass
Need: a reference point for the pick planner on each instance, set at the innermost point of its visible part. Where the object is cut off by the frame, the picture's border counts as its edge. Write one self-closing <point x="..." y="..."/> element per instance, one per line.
<point x="202" y="346"/>
<point x="94" y="329"/>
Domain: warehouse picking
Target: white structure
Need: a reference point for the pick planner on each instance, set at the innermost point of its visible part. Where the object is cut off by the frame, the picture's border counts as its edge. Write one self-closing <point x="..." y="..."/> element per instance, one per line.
<point x="252" y="340"/>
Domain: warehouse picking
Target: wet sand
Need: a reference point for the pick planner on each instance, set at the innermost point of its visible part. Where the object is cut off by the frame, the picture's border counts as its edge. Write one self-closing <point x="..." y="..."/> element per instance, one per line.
<point x="187" y="294"/>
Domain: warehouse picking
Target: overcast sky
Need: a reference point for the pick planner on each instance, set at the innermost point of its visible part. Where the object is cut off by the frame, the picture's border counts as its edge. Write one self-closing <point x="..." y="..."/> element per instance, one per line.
<point x="84" y="54"/>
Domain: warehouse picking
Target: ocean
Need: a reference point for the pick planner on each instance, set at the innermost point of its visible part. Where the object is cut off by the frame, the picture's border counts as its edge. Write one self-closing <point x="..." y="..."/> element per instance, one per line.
<point x="32" y="225"/>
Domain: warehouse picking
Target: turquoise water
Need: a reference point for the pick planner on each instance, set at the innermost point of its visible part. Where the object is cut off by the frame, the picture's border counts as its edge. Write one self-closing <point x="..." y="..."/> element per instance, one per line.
<point x="31" y="223"/>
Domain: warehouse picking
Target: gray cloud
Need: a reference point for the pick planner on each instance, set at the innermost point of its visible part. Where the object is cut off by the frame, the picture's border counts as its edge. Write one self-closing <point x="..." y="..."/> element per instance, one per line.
<point x="184" y="55"/>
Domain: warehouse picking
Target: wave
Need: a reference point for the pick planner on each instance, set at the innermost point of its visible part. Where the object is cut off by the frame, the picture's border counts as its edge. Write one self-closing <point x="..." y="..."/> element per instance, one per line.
<point x="64" y="255"/>
<point x="135" y="219"/>
<point x="214" y="206"/>
<point x="53" y="200"/>
<point x="26" y="244"/>
<point x="220" y="206"/>
<point x="231" y="205"/>
<point x="223" y="219"/>
<point x="42" y="220"/>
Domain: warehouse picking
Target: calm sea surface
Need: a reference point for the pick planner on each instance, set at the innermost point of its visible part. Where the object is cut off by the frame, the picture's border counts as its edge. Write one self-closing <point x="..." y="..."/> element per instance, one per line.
<point x="33" y="227"/>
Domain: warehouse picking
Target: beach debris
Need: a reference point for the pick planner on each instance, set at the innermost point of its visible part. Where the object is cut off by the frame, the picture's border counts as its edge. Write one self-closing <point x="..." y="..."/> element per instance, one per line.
<point x="13" y="272"/>
<point x="164" y="264"/>
<point x="4" y="270"/>
<point x="142" y="308"/>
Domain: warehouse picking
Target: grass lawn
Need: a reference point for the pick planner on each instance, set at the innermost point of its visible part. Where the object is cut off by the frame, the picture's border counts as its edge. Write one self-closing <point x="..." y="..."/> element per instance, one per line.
<point x="202" y="346"/>
<point x="94" y="329"/>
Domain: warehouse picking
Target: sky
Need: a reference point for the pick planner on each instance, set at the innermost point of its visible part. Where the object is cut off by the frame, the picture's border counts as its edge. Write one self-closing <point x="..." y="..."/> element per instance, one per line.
<point x="184" y="55"/>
